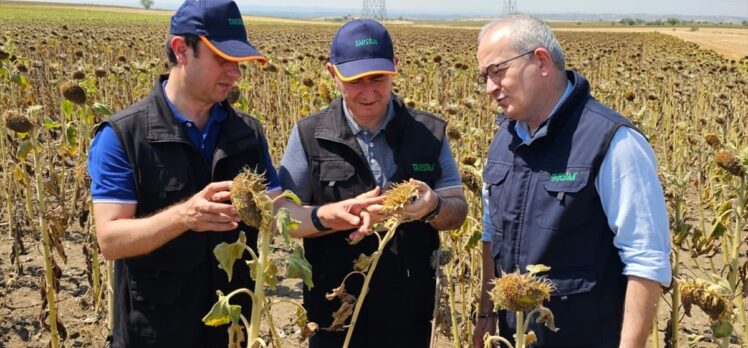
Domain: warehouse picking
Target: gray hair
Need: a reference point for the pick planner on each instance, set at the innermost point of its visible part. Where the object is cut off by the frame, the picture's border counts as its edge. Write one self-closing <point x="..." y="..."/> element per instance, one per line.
<point x="527" y="33"/>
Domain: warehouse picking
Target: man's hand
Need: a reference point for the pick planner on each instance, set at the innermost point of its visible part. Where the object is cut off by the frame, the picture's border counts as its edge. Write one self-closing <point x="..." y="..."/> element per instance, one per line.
<point x="483" y="326"/>
<point x="205" y="211"/>
<point x="425" y="202"/>
<point x="350" y="213"/>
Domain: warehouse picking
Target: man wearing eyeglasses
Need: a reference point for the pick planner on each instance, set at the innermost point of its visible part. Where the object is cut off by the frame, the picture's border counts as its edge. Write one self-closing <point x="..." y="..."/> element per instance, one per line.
<point x="571" y="184"/>
<point x="365" y="139"/>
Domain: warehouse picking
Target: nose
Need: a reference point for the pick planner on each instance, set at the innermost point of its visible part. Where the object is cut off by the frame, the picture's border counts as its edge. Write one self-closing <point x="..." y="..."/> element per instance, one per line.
<point x="492" y="87"/>
<point x="232" y="70"/>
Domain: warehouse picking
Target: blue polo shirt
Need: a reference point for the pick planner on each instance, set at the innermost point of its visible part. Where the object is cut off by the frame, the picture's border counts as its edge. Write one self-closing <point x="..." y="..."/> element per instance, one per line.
<point x="111" y="174"/>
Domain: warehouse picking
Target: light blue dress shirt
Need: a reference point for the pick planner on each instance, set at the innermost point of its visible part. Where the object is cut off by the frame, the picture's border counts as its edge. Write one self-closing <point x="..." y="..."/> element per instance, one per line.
<point x="632" y="199"/>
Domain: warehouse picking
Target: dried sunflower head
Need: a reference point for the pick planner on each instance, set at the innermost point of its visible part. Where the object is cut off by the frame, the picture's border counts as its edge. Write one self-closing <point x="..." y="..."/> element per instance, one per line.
<point x="400" y="195"/>
<point x="713" y="140"/>
<point x="74" y="93"/>
<point x="249" y="198"/>
<point x="234" y="94"/>
<point x="698" y="293"/>
<point x="18" y="123"/>
<point x="726" y="160"/>
<point x="520" y="292"/>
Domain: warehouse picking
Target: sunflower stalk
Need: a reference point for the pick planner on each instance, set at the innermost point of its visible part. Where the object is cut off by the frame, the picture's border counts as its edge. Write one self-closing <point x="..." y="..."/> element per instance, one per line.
<point x="396" y="199"/>
<point x="46" y="243"/>
<point x="249" y="197"/>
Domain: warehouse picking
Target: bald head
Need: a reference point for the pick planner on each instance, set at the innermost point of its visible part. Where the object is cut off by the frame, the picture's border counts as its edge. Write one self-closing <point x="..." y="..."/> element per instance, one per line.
<point x="523" y="33"/>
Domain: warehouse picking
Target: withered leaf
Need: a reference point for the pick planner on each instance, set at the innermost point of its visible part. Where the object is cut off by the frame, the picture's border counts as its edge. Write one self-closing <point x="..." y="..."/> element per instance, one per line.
<point x="227" y="254"/>
<point x="223" y="312"/>
<point x="298" y="267"/>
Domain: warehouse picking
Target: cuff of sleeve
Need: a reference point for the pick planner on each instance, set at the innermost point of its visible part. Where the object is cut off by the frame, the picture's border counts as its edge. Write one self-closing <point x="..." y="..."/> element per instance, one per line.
<point x="653" y="265"/>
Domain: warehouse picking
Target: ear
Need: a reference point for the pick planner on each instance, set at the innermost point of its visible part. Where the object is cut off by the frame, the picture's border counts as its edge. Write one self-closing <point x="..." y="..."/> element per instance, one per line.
<point x="546" y="62"/>
<point x="180" y="49"/>
<point x="396" y="61"/>
<point x="330" y="70"/>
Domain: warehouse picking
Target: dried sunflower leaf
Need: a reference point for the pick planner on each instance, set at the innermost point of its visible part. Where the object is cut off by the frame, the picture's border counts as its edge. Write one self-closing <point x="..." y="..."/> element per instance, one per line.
<point x="298" y="267"/>
<point x="292" y="196"/>
<point x="362" y="263"/>
<point x="227" y="254"/>
<point x="535" y="269"/>
<point x="222" y="312"/>
<point x="236" y="336"/>
<point x="285" y="224"/>
<point x="341" y="316"/>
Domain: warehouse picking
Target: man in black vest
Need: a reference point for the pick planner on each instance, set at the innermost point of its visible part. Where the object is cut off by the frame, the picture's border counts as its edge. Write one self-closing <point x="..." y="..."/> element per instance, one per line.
<point x="160" y="174"/>
<point x="364" y="140"/>
<point x="571" y="184"/>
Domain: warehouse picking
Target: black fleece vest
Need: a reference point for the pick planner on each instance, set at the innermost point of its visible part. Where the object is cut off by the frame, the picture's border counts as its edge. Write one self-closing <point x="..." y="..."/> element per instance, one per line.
<point x="402" y="288"/>
<point x="162" y="296"/>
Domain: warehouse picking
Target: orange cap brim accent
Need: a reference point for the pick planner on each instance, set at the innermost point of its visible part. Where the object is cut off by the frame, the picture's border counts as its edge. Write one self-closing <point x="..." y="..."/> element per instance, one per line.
<point x="225" y="56"/>
<point x="364" y="74"/>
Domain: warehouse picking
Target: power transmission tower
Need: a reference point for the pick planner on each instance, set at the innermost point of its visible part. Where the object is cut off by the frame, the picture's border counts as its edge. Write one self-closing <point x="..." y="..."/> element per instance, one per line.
<point x="374" y="9"/>
<point x="510" y="7"/>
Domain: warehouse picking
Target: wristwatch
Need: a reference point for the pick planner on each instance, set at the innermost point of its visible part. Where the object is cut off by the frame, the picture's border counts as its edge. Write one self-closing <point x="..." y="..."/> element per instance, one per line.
<point x="434" y="213"/>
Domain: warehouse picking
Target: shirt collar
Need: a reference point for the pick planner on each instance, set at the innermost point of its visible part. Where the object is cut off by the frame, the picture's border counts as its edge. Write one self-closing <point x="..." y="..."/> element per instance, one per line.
<point x="356" y="129"/>
<point x="523" y="132"/>
<point x="216" y="114"/>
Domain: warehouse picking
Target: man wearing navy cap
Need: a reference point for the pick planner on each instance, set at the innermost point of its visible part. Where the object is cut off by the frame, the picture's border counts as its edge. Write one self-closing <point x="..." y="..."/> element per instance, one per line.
<point x="160" y="173"/>
<point x="364" y="140"/>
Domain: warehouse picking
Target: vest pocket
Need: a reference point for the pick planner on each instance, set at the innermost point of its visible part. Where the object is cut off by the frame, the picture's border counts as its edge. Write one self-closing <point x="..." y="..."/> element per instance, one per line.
<point x="161" y="182"/>
<point x="335" y="178"/>
<point x="564" y="201"/>
<point x="576" y="308"/>
<point x="154" y="303"/>
<point x="494" y="177"/>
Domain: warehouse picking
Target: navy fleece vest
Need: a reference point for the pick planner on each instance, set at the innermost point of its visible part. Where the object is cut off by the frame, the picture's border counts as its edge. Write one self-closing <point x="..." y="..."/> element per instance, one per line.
<point x="545" y="210"/>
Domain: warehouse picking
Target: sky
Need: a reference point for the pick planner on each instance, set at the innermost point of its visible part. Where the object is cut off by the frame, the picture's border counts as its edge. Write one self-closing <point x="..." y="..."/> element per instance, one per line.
<point x="737" y="8"/>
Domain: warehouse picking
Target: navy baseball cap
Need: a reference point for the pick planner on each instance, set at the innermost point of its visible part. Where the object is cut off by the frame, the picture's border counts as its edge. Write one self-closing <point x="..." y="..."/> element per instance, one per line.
<point x="220" y="27"/>
<point x="362" y="47"/>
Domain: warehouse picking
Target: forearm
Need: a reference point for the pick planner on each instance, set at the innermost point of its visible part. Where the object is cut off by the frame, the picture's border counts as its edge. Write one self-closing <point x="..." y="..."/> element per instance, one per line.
<point x="640" y="308"/>
<point x="453" y="210"/>
<point x="123" y="238"/>
<point x="302" y="214"/>
<point x="488" y="275"/>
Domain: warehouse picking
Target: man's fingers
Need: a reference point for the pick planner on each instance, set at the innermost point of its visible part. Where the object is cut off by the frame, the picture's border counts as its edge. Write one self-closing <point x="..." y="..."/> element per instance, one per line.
<point x="218" y="227"/>
<point x="214" y="187"/>
<point x="368" y="194"/>
<point x="217" y="208"/>
<point x="365" y="222"/>
<point x="362" y="203"/>
<point x="221" y="196"/>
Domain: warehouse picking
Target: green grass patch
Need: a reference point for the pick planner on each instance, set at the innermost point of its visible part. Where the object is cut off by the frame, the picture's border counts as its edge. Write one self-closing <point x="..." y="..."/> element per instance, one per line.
<point x="28" y="12"/>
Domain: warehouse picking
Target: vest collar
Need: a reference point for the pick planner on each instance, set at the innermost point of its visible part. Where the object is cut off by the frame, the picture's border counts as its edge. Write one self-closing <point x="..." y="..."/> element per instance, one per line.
<point x="163" y="126"/>
<point x="335" y="127"/>
<point x="580" y="92"/>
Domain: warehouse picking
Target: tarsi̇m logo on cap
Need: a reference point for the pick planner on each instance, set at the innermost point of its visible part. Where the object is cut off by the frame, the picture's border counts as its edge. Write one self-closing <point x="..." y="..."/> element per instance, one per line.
<point x="366" y="42"/>
<point x="236" y="21"/>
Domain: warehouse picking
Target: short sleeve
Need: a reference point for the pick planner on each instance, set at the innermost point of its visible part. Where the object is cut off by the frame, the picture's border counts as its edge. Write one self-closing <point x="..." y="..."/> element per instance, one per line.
<point x="450" y="175"/>
<point x="112" y="179"/>
<point x="294" y="172"/>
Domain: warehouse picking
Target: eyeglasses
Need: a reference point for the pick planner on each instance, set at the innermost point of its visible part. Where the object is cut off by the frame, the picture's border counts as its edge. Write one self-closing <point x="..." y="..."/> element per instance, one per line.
<point x="493" y="71"/>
